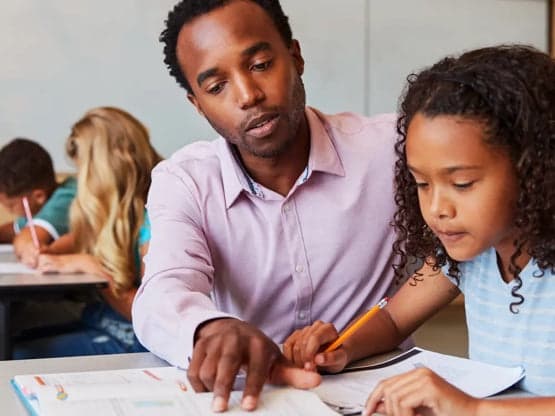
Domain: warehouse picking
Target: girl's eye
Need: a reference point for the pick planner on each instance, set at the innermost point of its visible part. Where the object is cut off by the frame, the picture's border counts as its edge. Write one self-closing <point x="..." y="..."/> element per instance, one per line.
<point x="261" y="66"/>
<point x="216" y="89"/>
<point x="421" y="185"/>
<point x="464" y="185"/>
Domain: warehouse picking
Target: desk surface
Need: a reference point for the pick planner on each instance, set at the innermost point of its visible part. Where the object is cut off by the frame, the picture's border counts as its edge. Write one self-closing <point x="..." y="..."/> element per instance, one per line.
<point x="11" y="405"/>
<point x="9" y="282"/>
<point x="27" y="281"/>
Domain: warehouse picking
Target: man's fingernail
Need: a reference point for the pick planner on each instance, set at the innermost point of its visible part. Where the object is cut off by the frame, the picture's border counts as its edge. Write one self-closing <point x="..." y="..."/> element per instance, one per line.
<point x="249" y="403"/>
<point x="219" y="404"/>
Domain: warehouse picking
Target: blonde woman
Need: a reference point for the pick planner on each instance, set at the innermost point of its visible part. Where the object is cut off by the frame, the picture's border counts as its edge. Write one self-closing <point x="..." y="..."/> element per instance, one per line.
<point x="109" y="233"/>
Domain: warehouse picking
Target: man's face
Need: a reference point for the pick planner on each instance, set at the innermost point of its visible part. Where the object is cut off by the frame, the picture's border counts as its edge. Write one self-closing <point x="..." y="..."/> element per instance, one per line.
<point x="245" y="79"/>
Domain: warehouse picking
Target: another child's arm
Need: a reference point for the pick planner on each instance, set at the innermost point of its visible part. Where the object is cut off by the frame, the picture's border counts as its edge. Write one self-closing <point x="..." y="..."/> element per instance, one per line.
<point x="417" y="300"/>
<point x="421" y="391"/>
<point x="7" y="233"/>
<point x="63" y="245"/>
<point x="24" y="246"/>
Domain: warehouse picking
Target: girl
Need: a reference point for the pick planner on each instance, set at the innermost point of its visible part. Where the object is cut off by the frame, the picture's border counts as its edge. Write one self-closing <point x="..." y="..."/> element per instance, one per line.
<point x="475" y="191"/>
<point x="109" y="231"/>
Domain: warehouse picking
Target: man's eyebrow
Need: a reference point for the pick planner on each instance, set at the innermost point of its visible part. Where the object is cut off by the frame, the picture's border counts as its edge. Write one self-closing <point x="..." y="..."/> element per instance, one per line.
<point x="257" y="47"/>
<point x="206" y="74"/>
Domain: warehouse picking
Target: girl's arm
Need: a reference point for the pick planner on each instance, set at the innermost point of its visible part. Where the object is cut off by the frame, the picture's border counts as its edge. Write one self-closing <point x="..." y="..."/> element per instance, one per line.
<point x="417" y="300"/>
<point x="123" y="303"/>
<point x="85" y="263"/>
<point x="424" y="392"/>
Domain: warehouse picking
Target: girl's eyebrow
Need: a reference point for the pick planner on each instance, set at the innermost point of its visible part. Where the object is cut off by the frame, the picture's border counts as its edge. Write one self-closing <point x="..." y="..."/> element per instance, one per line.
<point x="450" y="169"/>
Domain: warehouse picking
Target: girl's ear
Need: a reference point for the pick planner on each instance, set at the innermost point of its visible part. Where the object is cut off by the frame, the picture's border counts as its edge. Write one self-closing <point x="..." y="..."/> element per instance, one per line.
<point x="193" y="100"/>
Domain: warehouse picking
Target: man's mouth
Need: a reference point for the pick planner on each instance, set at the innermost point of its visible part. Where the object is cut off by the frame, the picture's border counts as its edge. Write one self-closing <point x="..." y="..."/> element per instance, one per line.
<point x="262" y="125"/>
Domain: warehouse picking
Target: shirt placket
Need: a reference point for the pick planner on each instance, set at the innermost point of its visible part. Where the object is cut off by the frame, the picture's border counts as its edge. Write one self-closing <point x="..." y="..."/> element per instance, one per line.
<point x="298" y="259"/>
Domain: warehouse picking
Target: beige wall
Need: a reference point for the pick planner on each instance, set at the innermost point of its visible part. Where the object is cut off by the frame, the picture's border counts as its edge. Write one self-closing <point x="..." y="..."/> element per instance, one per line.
<point x="4" y="215"/>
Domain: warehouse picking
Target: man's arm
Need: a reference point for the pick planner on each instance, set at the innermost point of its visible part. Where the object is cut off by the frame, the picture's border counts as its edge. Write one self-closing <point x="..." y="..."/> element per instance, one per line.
<point x="173" y="314"/>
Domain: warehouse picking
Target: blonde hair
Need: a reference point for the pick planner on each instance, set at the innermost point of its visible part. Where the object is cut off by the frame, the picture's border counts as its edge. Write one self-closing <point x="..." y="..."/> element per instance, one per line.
<point x="114" y="157"/>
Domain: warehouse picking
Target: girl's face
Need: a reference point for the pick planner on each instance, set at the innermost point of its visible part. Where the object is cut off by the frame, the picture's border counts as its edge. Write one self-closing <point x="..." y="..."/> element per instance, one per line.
<point x="467" y="189"/>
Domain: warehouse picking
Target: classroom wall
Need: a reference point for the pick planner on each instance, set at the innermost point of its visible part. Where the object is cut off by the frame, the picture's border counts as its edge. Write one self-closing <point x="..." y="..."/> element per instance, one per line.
<point x="61" y="57"/>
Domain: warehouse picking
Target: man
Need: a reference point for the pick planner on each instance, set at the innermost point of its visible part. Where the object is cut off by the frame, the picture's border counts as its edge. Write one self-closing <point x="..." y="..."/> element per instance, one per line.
<point x="282" y="221"/>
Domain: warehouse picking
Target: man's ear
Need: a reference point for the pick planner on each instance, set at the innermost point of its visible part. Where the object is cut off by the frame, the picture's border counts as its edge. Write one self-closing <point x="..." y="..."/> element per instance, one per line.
<point x="193" y="100"/>
<point x="295" y="51"/>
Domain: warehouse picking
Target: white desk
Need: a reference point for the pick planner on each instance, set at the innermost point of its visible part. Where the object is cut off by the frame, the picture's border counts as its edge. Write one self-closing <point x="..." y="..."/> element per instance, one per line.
<point x="21" y="287"/>
<point x="10" y="405"/>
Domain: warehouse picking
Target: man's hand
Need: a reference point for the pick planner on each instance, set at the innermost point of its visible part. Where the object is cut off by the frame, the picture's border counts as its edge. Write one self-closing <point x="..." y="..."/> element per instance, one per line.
<point x="223" y="347"/>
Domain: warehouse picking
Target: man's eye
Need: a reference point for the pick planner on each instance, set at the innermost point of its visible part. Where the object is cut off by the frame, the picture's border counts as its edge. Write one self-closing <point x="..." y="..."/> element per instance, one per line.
<point x="216" y="89"/>
<point x="261" y="66"/>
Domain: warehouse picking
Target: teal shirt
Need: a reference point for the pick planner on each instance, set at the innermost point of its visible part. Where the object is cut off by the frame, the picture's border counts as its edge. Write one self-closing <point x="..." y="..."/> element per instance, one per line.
<point x="142" y="238"/>
<point x="54" y="214"/>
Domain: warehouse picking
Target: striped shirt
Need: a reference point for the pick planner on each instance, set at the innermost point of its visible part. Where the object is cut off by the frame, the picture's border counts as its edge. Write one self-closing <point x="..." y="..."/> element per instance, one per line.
<point x="498" y="336"/>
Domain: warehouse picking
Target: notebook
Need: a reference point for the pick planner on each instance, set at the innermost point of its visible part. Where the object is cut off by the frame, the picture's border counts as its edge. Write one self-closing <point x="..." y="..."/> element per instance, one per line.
<point x="161" y="391"/>
<point x="347" y="392"/>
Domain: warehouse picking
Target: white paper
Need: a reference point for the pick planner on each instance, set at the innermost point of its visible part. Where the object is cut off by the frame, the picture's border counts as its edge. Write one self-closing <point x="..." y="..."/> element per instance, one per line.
<point x="6" y="248"/>
<point x="349" y="390"/>
<point x="16" y="268"/>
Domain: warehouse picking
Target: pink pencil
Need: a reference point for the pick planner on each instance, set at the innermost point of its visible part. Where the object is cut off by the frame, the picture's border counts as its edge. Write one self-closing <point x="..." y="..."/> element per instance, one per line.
<point x="30" y="222"/>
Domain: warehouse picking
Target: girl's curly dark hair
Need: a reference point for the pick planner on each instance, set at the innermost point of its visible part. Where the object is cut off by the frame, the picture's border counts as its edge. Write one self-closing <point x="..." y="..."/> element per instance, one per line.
<point x="510" y="89"/>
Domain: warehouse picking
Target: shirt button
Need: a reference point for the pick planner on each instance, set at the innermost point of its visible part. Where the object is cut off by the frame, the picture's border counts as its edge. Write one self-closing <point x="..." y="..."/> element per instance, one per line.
<point x="302" y="315"/>
<point x="299" y="268"/>
<point x="286" y="208"/>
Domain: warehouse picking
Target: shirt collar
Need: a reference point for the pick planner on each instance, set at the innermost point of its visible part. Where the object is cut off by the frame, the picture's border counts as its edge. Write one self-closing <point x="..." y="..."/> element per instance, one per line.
<point x="323" y="157"/>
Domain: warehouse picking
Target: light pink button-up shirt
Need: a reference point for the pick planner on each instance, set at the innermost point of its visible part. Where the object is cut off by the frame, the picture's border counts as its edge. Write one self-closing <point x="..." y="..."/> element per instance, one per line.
<point x="223" y="245"/>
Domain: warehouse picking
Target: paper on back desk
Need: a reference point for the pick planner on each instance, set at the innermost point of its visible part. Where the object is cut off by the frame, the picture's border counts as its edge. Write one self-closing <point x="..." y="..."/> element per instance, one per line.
<point x="16" y="268"/>
<point x="352" y="388"/>
<point x="6" y="248"/>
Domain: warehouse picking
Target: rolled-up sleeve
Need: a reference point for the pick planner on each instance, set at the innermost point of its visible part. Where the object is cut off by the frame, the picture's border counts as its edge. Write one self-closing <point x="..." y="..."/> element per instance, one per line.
<point x="174" y="297"/>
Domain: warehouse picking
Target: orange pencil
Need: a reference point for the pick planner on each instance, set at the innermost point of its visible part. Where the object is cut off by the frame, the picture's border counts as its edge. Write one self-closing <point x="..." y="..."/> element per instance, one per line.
<point x="356" y="325"/>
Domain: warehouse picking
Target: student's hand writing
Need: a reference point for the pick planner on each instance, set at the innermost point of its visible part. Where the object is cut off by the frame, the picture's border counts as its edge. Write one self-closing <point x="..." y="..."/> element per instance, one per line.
<point x="68" y="263"/>
<point x="223" y="346"/>
<point x="304" y="348"/>
<point x="420" y="392"/>
<point x="26" y="252"/>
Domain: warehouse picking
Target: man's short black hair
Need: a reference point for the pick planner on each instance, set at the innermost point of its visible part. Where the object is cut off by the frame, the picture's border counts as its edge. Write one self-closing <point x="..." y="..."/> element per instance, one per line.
<point x="24" y="166"/>
<point x="187" y="10"/>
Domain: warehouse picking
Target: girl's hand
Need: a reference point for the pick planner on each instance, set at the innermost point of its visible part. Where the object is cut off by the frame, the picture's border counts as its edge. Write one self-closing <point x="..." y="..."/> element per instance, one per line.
<point x="68" y="263"/>
<point x="303" y="348"/>
<point x="420" y="392"/>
